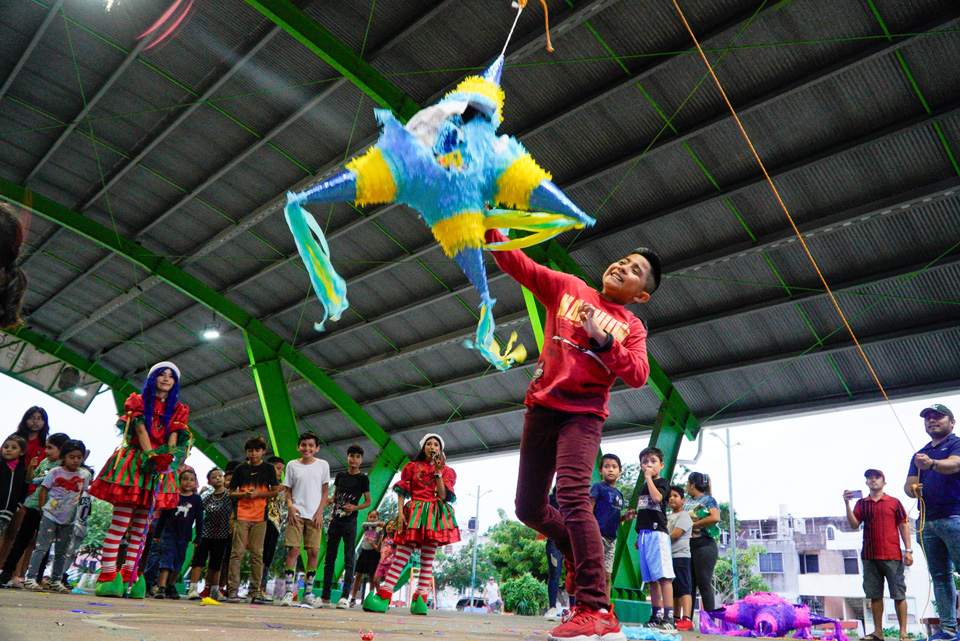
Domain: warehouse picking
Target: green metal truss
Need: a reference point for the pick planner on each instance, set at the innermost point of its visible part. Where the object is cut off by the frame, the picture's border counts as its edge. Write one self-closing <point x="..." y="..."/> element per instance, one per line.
<point x="274" y="397"/>
<point x="121" y="388"/>
<point x="674" y="418"/>
<point x="338" y="55"/>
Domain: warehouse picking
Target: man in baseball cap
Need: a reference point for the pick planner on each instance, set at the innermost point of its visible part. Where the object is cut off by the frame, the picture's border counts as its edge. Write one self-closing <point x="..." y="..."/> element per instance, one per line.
<point x="933" y="475"/>
<point x="884" y="525"/>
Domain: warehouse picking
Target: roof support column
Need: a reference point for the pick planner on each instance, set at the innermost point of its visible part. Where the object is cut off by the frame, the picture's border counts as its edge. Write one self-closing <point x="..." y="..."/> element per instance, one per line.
<point x="274" y="398"/>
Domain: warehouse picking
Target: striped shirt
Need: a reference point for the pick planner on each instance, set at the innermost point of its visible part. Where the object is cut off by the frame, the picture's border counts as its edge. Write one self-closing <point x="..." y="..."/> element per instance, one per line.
<point x="881" y="520"/>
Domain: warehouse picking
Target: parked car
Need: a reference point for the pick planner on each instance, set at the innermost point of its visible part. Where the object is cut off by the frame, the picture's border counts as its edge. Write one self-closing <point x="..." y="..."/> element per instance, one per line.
<point x="465" y="602"/>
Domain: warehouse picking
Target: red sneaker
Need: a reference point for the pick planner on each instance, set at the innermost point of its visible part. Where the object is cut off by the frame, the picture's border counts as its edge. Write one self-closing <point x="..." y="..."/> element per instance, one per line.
<point x="570" y="581"/>
<point x="585" y="624"/>
<point x="205" y="593"/>
<point x="684" y="625"/>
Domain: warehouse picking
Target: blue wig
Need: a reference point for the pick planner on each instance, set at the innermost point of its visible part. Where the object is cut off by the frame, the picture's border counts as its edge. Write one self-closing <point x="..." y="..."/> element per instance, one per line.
<point x="149" y="389"/>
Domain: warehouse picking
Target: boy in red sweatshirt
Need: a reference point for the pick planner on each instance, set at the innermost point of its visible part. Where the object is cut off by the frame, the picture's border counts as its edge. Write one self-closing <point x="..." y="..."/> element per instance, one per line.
<point x="590" y="339"/>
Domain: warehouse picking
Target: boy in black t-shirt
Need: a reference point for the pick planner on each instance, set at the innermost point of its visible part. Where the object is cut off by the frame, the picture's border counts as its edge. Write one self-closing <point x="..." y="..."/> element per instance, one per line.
<point x="653" y="540"/>
<point x="351" y="487"/>
<point x="253" y="484"/>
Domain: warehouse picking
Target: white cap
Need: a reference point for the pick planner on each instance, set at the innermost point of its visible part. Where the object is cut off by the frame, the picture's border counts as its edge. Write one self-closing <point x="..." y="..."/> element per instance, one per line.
<point x="165" y="365"/>
<point x="431" y="435"/>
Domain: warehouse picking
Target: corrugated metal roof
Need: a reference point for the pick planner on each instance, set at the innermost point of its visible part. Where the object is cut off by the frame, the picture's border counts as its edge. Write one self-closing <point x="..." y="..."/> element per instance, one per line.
<point x="741" y="323"/>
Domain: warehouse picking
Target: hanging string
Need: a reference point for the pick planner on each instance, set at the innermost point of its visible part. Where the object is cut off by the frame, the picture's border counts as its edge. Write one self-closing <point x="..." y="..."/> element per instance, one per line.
<point x="783" y="206"/>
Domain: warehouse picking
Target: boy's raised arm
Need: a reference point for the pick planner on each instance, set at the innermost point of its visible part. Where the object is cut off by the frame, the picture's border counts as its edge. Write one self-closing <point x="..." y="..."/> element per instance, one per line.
<point x="540" y="280"/>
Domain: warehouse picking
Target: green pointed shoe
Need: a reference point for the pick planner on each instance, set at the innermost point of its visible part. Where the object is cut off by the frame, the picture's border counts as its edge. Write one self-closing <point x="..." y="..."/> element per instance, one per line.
<point x="139" y="589"/>
<point x="419" y="605"/>
<point x="375" y="603"/>
<point x="112" y="588"/>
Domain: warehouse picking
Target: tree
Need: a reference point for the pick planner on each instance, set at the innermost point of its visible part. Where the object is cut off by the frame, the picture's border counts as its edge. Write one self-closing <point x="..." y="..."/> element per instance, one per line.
<point x="515" y="550"/>
<point x="97" y="525"/>
<point x="456" y="570"/>
<point x="747" y="581"/>
<point x="524" y="595"/>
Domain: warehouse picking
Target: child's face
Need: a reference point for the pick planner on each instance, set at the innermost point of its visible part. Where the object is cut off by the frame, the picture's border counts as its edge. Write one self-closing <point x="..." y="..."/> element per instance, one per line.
<point x="307" y="448"/>
<point x="35" y="422"/>
<point x="372" y="516"/>
<point x="215" y="479"/>
<point x="52" y="452"/>
<point x="624" y="280"/>
<point x="165" y="381"/>
<point x="610" y="471"/>
<point x="651" y="461"/>
<point x="675" y="502"/>
<point x="279" y="468"/>
<point x="227" y="477"/>
<point x="188" y="483"/>
<point x="255" y="455"/>
<point x="11" y="451"/>
<point x="72" y="461"/>
<point x="354" y="460"/>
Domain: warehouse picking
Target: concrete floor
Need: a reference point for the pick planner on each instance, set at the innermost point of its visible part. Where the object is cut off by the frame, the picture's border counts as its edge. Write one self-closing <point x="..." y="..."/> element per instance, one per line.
<point x="39" y="616"/>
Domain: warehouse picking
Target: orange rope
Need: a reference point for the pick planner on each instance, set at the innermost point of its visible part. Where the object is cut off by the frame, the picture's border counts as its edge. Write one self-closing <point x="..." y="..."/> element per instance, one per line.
<point x="546" y="19"/>
<point x="789" y="217"/>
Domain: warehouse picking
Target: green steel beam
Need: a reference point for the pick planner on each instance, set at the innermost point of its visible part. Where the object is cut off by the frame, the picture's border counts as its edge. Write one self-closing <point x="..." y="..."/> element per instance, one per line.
<point x="338" y="55"/>
<point x="121" y="387"/>
<point x="274" y="398"/>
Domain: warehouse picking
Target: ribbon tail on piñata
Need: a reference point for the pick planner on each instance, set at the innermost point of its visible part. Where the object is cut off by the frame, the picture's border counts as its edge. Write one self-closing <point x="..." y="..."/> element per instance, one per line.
<point x="470" y="260"/>
<point x="329" y="286"/>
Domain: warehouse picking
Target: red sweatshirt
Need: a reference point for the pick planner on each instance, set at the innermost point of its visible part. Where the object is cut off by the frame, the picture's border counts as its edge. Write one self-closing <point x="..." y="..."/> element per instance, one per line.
<point x="574" y="374"/>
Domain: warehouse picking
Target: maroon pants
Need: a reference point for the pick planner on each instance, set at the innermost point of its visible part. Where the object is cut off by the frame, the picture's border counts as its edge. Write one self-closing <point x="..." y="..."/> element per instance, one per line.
<point x="565" y="444"/>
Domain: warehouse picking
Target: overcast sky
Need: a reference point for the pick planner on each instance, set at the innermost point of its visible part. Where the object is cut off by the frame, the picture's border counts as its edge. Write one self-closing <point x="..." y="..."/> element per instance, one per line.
<point x="805" y="462"/>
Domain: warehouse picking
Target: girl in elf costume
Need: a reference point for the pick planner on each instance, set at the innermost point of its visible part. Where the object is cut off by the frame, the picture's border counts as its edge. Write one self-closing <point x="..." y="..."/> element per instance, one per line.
<point x="141" y="472"/>
<point x="425" y="521"/>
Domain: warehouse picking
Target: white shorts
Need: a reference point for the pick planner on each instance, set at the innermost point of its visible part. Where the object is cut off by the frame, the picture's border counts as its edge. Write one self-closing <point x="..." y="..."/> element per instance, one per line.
<point x="656" y="560"/>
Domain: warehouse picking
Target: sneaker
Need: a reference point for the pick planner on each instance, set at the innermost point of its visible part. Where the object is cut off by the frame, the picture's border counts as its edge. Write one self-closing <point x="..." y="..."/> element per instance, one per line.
<point x="667" y="625"/>
<point x="570" y="581"/>
<point x="354" y="604"/>
<point x="266" y="598"/>
<point x="192" y="594"/>
<point x="322" y="603"/>
<point x="205" y="593"/>
<point x="343" y="604"/>
<point x="552" y="614"/>
<point x="171" y="593"/>
<point x="160" y="595"/>
<point x="685" y="625"/>
<point x="257" y="599"/>
<point x="943" y="635"/>
<point x="31" y="584"/>
<point x="654" y="623"/>
<point x="218" y="596"/>
<point x="152" y="591"/>
<point x="310" y="600"/>
<point x="57" y="586"/>
<point x="287" y="600"/>
<point x="585" y="624"/>
<point x="233" y="599"/>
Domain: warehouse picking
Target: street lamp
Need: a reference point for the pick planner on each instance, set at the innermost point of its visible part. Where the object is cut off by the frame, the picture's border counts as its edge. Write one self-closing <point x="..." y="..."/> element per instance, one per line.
<point x="733" y="531"/>
<point x="476" y="523"/>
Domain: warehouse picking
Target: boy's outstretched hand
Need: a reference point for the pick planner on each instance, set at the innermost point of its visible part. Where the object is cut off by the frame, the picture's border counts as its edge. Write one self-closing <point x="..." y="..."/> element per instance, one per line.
<point x="588" y="320"/>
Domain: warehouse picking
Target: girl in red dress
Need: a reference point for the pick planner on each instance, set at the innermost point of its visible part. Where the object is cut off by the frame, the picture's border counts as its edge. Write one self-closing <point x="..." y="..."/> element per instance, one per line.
<point x="426" y="521"/>
<point x="154" y="445"/>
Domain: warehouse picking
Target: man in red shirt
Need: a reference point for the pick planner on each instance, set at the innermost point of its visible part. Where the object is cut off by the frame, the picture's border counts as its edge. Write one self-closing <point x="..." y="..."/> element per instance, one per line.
<point x="882" y="517"/>
<point x="590" y="339"/>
